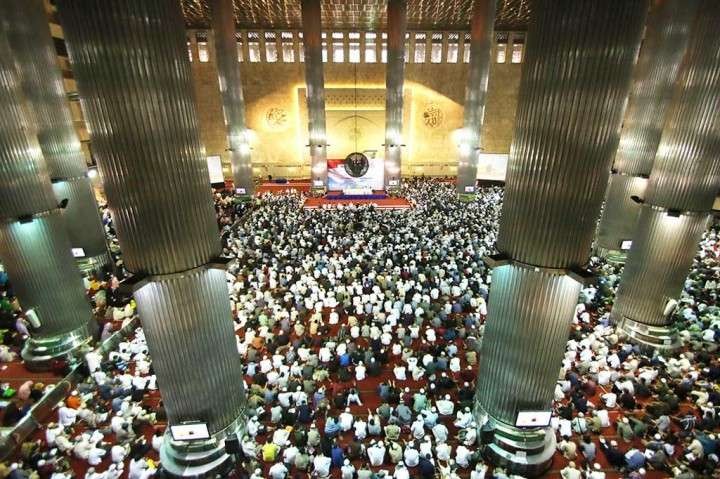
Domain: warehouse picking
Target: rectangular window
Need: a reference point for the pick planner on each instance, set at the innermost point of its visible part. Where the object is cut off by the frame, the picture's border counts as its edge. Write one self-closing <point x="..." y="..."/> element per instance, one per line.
<point x="324" y="48"/>
<point x="354" y="46"/>
<point x="436" y="48"/>
<point x="254" y="47"/>
<point x="453" y="47"/>
<point x="370" y="47"/>
<point x="271" y="50"/>
<point x="202" y="44"/>
<point x="338" y="47"/>
<point x="517" y="50"/>
<point x="383" y="50"/>
<point x="407" y="48"/>
<point x="301" y="48"/>
<point x="466" y="49"/>
<point x="288" y="49"/>
<point x="189" y="46"/>
<point x="420" y="47"/>
<point x="501" y="47"/>
<point x="239" y="42"/>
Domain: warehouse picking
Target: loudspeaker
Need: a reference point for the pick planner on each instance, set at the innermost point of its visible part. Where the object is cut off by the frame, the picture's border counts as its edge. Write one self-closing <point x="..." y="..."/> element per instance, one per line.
<point x="232" y="444"/>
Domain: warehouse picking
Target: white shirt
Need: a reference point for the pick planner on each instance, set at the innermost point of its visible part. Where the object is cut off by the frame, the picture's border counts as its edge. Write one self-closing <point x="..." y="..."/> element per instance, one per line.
<point x="411" y="456"/>
<point x="376" y="455"/>
<point x="278" y="471"/>
<point x="117" y="453"/>
<point x="322" y="465"/>
<point x="610" y="399"/>
<point x="66" y="416"/>
<point x="95" y="456"/>
<point x="346" y="421"/>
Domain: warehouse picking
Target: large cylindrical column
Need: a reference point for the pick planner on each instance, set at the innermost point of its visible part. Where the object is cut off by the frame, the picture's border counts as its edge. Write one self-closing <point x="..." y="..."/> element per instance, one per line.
<point x="42" y="83"/>
<point x="574" y="82"/>
<point x="394" y="80"/>
<point x="481" y="41"/>
<point x="34" y="246"/>
<point x="666" y="38"/>
<point x="315" y="92"/>
<point x="684" y="181"/>
<point x="131" y="66"/>
<point x="231" y="92"/>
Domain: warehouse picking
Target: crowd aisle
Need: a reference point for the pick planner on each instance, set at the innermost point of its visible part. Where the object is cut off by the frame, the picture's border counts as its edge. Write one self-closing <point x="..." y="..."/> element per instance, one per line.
<point x="361" y="330"/>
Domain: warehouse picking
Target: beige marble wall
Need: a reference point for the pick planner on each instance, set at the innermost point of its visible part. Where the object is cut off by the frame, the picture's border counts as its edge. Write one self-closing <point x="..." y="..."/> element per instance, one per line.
<point x="276" y="112"/>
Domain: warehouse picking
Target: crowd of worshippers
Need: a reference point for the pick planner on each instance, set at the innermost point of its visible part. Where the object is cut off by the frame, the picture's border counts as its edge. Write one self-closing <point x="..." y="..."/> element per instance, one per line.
<point x="360" y="331"/>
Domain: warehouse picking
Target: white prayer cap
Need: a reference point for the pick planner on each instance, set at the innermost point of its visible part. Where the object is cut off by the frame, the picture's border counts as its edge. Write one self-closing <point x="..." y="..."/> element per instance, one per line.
<point x="596" y="466"/>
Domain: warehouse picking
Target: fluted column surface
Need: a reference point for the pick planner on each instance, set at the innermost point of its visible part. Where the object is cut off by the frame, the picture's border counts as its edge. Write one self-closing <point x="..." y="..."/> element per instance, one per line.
<point x="42" y="83"/>
<point x="667" y="33"/>
<point x="666" y="38"/>
<point x="186" y="319"/>
<point x="685" y="177"/>
<point x="686" y="172"/>
<point x="44" y="276"/>
<point x="315" y="88"/>
<point x="481" y="42"/>
<point x="657" y="264"/>
<point x="35" y="252"/>
<point x="574" y="82"/>
<point x="231" y="92"/>
<point x="82" y="219"/>
<point x="130" y="61"/>
<point x="530" y="317"/>
<point x="133" y="73"/>
<point x="620" y="214"/>
<point x="24" y="180"/>
<point x="394" y="80"/>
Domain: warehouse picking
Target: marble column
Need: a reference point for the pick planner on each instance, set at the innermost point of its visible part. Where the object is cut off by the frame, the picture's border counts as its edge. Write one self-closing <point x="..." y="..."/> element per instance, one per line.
<point x="576" y="76"/>
<point x="683" y="183"/>
<point x="394" y="79"/>
<point x="133" y="74"/>
<point x="315" y="92"/>
<point x="666" y="38"/>
<point x="42" y="83"/>
<point x="481" y="42"/>
<point x="34" y="245"/>
<point x="231" y="92"/>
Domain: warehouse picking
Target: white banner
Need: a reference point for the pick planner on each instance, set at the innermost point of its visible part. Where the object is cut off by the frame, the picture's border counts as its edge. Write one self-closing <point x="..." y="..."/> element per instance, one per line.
<point x="339" y="179"/>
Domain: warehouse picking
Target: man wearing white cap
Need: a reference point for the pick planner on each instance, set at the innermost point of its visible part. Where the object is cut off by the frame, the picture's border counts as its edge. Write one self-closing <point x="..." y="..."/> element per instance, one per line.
<point x="596" y="472"/>
<point x="571" y="471"/>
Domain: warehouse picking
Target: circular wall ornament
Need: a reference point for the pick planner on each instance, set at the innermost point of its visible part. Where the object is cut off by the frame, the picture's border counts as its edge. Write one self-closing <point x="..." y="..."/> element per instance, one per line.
<point x="276" y="118"/>
<point x="356" y="164"/>
<point x="432" y="115"/>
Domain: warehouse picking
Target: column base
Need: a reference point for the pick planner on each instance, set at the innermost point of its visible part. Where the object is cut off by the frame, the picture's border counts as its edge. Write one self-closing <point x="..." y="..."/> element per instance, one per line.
<point x="198" y="459"/>
<point x="612" y="256"/>
<point x="242" y="198"/>
<point x="649" y="336"/>
<point x="94" y="264"/>
<point x="38" y="353"/>
<point x="526" y="452"/>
